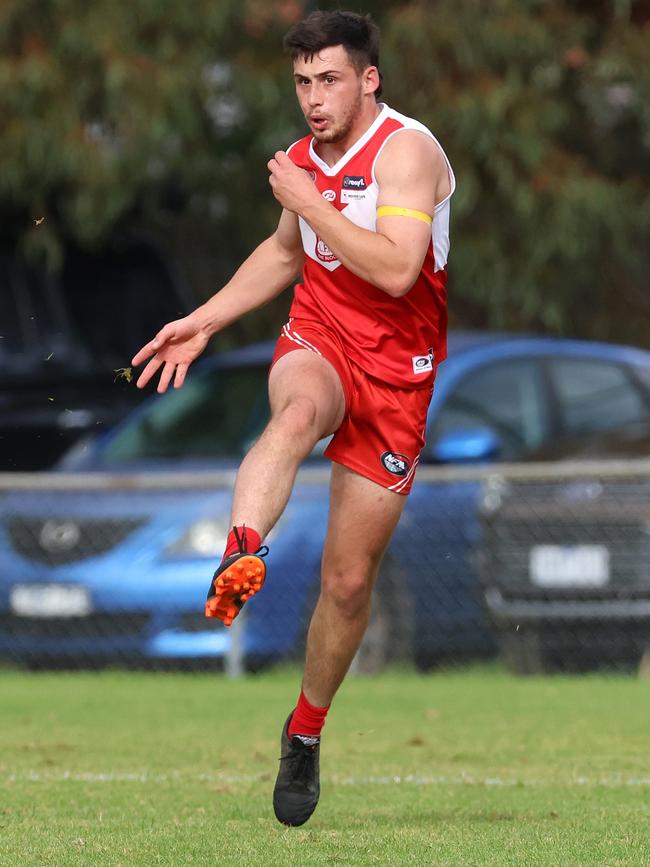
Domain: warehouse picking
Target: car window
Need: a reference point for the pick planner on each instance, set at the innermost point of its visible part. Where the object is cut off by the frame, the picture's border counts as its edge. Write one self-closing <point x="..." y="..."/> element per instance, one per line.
<point x="504" y="397"/>
<point x="595" y="395"/>
<point x="217" y="413"/>
<point x="643" y="374"/>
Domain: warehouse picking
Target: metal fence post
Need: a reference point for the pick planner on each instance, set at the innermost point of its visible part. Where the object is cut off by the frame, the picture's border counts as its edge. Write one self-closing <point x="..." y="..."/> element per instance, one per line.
<point x="234" y="659"/>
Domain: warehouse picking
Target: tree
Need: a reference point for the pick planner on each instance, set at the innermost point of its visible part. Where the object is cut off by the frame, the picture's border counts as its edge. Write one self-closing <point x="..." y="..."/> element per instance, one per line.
<point x="164" y="115"/>
<point x="151" y="113"/>
<point x="543" y="109"/>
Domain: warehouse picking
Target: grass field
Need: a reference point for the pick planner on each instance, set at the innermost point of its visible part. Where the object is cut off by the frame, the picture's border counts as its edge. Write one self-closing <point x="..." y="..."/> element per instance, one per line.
<point x="471" y="767"/>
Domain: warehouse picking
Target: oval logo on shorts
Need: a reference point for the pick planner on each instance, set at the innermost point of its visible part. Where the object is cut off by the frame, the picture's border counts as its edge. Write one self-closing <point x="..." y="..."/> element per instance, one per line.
<point x="396" y="464"/>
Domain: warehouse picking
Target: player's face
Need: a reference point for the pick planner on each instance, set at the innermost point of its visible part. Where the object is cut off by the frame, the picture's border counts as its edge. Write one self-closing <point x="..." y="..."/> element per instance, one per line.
<point x="330" y="92"/>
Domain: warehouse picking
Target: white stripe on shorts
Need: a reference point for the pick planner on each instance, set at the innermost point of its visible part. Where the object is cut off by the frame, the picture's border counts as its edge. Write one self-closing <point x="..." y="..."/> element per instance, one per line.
<point x="296" y="338"/>
<point x="399" y="486"/>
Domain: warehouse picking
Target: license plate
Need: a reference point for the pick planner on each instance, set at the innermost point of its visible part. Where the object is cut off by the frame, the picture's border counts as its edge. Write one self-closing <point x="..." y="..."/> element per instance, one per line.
<point x="49" y="600"/>
<point x="569" y="565"/>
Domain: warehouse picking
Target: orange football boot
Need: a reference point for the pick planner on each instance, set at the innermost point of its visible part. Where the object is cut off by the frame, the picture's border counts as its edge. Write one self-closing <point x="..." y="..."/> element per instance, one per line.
<point x="240" y="576"/>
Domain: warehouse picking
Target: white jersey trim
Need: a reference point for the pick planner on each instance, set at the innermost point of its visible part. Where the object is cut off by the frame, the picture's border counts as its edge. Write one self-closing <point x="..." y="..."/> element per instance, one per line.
<point x="331" y="171"/>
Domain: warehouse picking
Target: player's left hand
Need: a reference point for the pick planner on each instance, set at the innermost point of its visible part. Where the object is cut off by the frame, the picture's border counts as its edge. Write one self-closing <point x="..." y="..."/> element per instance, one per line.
<point x="292" y="186"/>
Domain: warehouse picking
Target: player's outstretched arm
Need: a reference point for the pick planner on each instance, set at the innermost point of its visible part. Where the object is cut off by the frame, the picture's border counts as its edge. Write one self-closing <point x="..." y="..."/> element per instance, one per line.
<point x="270" y="268"/>
<point x="412" y="176"/>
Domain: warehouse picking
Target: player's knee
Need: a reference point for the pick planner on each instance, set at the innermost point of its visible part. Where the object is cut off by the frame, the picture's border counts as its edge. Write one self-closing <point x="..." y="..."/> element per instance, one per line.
<point x="349" y="590"/>
<point x="298" y="418"/>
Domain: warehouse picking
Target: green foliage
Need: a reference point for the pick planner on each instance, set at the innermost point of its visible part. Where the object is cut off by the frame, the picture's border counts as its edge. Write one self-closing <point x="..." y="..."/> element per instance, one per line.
<point x="159" y="114"/>
<point x="543" y="111"/>
<point x="112" y="109"/>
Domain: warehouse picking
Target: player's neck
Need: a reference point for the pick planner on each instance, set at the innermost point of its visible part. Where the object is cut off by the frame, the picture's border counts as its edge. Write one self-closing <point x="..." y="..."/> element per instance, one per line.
<point x="331" y="152"/>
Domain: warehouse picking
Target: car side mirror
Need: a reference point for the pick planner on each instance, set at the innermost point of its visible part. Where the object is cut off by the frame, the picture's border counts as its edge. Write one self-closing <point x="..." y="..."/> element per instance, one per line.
<point x="473" y="445"/>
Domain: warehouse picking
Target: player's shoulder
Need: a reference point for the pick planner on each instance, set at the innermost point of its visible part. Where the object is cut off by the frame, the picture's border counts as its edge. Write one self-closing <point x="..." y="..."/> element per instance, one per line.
<point x="403" y="122"/>
<point x="409" y="136"/>
<point x="411" y="142"/>
<point x="408" y="149"/>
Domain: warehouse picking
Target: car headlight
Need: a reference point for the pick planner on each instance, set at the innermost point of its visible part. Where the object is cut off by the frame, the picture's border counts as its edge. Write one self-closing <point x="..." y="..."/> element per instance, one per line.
<point x="205" y="538"/>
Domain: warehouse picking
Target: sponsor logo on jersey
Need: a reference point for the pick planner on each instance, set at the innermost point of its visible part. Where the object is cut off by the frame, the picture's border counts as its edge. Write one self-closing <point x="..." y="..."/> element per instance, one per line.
<point x="396" y="464"/>
<point x="423" y="363"/>
<point x="354" y="182"/>
<point x="329" y="195"/>
<point x="323" y="252"/>
<point x="350" y="196"/>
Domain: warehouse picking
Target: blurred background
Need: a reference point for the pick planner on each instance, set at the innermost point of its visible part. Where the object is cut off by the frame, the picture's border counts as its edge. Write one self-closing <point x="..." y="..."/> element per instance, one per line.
<point x="133" y="143"/>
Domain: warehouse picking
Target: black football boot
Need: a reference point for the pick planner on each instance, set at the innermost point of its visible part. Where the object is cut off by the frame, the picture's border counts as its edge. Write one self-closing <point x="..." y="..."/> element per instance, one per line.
<point x="297" y="787"/>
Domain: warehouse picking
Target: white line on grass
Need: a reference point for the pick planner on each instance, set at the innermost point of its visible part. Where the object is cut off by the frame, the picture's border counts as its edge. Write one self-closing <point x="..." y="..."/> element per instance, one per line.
<point x="613" y="780"/>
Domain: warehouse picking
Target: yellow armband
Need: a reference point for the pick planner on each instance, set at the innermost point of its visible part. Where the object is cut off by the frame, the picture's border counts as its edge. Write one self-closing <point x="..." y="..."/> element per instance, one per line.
<point x="390" y="211"/>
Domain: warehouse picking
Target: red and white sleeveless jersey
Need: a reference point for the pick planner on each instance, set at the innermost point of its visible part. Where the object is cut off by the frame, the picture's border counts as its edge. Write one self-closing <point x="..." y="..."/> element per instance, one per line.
<point x="396" y="340"/>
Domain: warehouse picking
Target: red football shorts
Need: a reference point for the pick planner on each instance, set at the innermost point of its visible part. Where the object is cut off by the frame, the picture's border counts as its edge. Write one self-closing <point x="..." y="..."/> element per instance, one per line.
<point x="383" y="429"/>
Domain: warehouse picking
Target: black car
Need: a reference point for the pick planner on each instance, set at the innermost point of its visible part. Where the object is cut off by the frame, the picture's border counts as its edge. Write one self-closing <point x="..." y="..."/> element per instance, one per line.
<point x="66" y="339"/>
<point x="565" y="556"/>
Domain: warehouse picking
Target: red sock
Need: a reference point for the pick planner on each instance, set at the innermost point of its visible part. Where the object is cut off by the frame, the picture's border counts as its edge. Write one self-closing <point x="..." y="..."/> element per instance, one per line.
<point x="307" y="719"/>
<point x="250" y="541"/>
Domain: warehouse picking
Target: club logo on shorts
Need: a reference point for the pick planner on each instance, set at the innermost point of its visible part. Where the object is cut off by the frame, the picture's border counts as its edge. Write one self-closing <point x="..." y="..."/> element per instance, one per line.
<point x="396" y="464"/>
<point x="423" y="363"/>
<point x="323" y="251"/>
<point x="329" y="195"/>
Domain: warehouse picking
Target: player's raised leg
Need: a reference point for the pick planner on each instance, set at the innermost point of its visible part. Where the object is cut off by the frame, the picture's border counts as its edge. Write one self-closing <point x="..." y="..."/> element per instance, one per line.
<point x="307" y="403"/>
<point x="362" y="518"/>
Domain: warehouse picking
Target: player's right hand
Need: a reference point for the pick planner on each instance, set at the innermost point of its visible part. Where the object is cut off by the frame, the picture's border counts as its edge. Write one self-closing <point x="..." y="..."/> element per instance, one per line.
<point x="174" y="348"/>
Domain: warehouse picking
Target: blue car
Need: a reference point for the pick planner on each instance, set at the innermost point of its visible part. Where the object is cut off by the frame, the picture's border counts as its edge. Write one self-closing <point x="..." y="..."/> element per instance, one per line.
<point x="108" y="559"/>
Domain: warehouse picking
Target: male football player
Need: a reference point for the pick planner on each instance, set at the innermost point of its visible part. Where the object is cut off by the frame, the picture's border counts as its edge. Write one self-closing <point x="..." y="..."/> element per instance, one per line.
<point x="365" y="198"/>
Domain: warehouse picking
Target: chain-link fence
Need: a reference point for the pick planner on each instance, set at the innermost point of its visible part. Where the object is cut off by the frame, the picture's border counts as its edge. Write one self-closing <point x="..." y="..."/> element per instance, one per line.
<point x="546" y="565"/>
